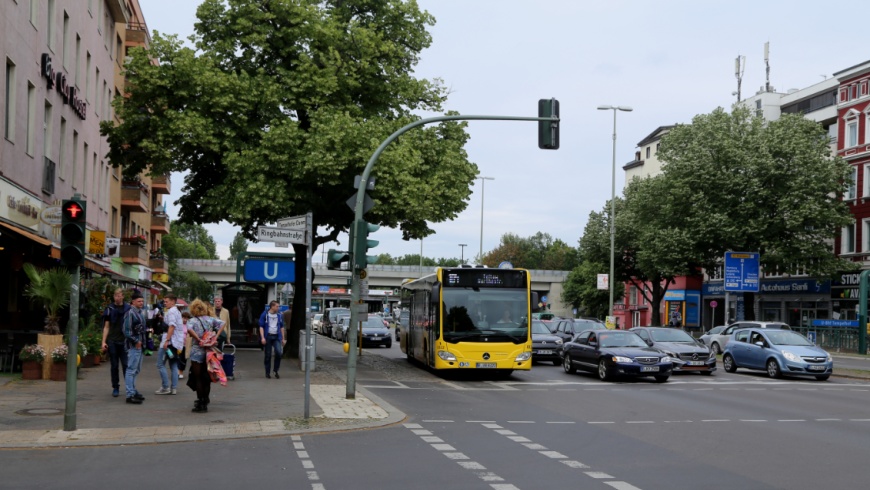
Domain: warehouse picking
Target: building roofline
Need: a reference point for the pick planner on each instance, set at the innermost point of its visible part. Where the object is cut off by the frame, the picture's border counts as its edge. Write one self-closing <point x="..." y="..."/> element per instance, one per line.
<point x="655" y="135"/>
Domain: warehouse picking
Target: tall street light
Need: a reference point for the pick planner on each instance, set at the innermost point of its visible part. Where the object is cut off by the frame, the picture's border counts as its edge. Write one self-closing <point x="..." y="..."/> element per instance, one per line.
<point x="613" y="197"/>
<point x="462" y="256"/>
<point x="482" y="184"/>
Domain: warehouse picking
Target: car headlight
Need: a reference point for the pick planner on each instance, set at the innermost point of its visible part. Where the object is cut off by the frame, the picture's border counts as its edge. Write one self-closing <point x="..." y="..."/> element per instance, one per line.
<point x="712" y="355"/>
<point x="829" y="359"/>
<point x="669" y="359"/>
<point x="446" y="356"/>
<point x="791" y="357"/>
<point x="558" y="341"/>
<point x="620" y="359"/>
<point x="525" y="356"/>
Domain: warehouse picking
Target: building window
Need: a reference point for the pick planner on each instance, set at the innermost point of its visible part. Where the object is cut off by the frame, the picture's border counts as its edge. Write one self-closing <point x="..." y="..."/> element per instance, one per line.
<point x="632" y="293"/>
<point x="865" y="235"/>
<point x="9" y="112"/>
<point x="61" y="154"/>
<point x="658" y="146"/>
<point x="31" y="118"/>
<point x="66" y="40"/>
<point x="647" y="151"/>
<point x="95" y="179"/>
<point x="97" y="96"/>
<point x="49" y="26"/>
<point x="75" y="160"/>
<point x="852" y="134"/>
<point x="85" y="171"/>
<point x="758" y="111"/>
<point x="88" y="76"/>
<point x="847" y="245"/>
<point x="853" y="92"/>
<point x="46" y="131"/>
<point x="34" y="11"/>
<point x="851" y="190"/>
<point x="78" y="59"/>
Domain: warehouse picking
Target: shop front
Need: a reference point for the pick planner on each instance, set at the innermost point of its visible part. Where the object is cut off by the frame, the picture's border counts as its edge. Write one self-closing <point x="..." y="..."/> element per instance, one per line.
<point x="794" y="301"/>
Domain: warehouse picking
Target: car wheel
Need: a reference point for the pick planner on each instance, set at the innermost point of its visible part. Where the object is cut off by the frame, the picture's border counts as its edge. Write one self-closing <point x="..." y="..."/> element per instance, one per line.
<point x="603" y="373"/>
<point x="823" y="377"/>
<point x="662" y="379"/>
<point x="715" y="348"/>
<point x="388" y="344"/>
<point x="773" y="369"/>
<point x="566" y="364"/>
<point x="556" y="362"/>
<point x="728" y="363"/>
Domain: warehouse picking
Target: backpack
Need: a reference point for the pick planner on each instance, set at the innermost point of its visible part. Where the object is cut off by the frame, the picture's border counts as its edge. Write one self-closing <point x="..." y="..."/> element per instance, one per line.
<point x="158" y="325"/>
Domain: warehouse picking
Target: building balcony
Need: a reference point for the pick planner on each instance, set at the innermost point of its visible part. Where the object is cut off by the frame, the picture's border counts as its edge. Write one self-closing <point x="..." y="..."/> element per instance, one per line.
<point x="159" y="224"/>
<point x="134" y="254"/>
<point x="159" y="264"/>
<point x="137" y="35"/>
<point x="134" y="199"/>
<point x="161" y="184"/>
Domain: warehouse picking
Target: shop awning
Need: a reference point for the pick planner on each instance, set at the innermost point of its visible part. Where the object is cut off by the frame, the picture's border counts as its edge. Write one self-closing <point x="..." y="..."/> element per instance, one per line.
<point x="162" y="286"/>
<point x="26" y="233"/>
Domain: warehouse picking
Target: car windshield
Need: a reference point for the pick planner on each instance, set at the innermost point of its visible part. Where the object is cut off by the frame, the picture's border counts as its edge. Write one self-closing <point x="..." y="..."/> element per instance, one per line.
<point x="716" y="330"/>
<point x="787" y="337"/>
<point x="373" y="322"/>
<point x="539" y="327"/>
<point x="668" y="335"/>
<point x="620" y="339"/>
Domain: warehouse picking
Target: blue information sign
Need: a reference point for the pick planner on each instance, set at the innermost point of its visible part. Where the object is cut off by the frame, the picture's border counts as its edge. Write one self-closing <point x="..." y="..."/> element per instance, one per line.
<point x="262" y="270"/>
<point x="741" y="272"/>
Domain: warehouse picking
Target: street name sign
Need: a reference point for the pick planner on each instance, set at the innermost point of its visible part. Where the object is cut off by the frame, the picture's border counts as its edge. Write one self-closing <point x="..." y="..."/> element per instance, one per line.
<point x="275" y="234"/>
<point x="741" y="272"/>
<point x="294" y="223"/>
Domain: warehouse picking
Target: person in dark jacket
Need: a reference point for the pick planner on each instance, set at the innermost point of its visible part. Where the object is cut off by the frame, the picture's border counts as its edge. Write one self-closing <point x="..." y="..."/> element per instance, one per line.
<point x="113" y="338"/>
<point x="272" y="337"/>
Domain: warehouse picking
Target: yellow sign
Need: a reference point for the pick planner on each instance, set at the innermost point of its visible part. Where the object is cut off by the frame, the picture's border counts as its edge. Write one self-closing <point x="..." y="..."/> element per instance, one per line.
<point x="97" y="242"/>
<point x="159" y="276"/>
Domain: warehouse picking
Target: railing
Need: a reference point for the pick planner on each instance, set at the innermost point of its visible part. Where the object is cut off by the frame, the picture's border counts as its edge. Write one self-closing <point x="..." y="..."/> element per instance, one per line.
<point x="835" y="339"/>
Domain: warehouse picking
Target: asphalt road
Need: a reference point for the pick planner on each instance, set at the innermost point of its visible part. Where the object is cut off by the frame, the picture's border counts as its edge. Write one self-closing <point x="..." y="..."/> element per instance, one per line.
<point x="539" y="429"/>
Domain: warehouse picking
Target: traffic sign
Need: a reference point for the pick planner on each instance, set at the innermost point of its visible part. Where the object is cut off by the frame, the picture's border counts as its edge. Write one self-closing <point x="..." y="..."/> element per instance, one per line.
<point x="741" y="272"/>
<point x="274" y="234"/>
<point x="263" y="270"/>
<point x="294" y="223"/>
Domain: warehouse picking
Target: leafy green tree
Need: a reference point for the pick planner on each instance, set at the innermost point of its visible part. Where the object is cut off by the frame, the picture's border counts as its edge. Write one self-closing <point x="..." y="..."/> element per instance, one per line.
<point x="580" y="290"/>
<point x="190" y="285"/>
<point x="738" y="182"/>
<point x="187" y="241"/>
<point x="540" y="251"/>
<point x="239" y="246"/>
<point x="414" y="259"/>
<point x="281" y="104"/>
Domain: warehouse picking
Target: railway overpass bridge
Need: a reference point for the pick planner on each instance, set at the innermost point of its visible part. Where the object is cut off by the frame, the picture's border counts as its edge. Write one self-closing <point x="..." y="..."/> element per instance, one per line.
<point x="332" y="287"/>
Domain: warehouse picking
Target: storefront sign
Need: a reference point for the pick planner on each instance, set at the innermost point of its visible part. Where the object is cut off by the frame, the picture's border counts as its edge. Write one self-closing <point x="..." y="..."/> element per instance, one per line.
<point x="779" y="286"/>
<point x="18" y="206"/>
<point x="58" y="81"/>
<point x="51" y="216"/>
<point x="675" y="295"/>
<point x="835" y="323"/>
<point x="160" y="276"/>
<point x="113" y="247"/>
<point x="97" y="242"/>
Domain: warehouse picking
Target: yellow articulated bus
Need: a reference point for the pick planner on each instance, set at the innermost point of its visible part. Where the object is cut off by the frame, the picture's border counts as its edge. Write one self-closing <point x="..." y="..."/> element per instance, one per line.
<point x="469" y="318"/>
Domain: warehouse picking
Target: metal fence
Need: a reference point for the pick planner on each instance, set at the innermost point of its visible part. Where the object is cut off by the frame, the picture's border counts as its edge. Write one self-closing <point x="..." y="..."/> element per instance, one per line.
<point x="834" y="339"/>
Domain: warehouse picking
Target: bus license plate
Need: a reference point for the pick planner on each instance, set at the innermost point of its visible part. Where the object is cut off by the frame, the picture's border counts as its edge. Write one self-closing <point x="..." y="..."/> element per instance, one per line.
<point x="649" y="369"/>
<point x="544" y="352"/>
<point x="488" y="365"/>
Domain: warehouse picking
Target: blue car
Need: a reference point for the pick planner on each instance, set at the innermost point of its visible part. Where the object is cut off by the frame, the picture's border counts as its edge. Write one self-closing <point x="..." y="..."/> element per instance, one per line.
<point x="779" y="352"/>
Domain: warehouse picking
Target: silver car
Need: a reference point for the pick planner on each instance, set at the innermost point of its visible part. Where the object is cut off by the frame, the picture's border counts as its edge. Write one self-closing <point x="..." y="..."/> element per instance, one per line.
<point x="719" y="341"/>
<point x="709" y="334"/>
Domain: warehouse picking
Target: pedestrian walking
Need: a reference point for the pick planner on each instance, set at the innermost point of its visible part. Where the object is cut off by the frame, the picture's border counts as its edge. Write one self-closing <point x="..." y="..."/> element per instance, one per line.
<point x="224" y="315"/>
<point x="272" y="337"/>
<point x="171" y="345"/>
<point x="113" y="338"/>
<point x="134" y="342"/>
<point x="204" y="331"/>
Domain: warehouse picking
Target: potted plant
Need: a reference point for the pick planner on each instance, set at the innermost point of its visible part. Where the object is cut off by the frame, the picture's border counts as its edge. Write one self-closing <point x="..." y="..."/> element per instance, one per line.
<point x="50" y="288"/>
<point x="31" y="357"/>
<point x="92" y="341"/>
<point x="58" y="362"/>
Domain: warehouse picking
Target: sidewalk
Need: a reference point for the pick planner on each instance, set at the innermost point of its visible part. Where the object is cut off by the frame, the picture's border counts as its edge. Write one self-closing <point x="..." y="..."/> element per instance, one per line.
<point x="32" y="412"/>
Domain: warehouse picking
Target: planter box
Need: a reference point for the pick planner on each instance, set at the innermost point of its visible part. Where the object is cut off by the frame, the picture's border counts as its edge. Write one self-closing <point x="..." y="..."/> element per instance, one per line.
<point x="31" y="370"/>
<point x="58" y="371"/>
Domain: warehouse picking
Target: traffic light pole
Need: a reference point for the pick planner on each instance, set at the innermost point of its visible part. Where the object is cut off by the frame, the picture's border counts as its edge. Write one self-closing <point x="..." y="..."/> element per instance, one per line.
<point x="72" y="330"/>
<point x="358" y="215"/>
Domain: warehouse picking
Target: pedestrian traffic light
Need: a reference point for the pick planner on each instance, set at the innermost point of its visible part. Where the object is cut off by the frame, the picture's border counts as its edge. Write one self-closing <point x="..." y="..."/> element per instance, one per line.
<point x="72" y="232"/>
<point x="362" y="244"/>
<point x="334" y="259"/>
<point x="548" y="131"/>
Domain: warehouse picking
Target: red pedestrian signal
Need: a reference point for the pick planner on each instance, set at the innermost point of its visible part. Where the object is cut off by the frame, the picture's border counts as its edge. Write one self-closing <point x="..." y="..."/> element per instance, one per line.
<point x="72" y="232"/>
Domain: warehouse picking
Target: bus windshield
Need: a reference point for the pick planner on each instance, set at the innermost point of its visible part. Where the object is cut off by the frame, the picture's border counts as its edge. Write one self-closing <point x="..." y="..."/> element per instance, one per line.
<point x="485" y="315"/>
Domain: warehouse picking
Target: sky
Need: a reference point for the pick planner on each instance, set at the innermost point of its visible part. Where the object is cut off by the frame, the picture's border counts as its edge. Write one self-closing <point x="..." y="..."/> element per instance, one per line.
<point x="668" y="61"/>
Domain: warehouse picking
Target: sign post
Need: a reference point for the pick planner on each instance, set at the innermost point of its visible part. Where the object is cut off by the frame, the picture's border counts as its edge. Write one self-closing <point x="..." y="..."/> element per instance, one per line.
<point x="741" y="275"/>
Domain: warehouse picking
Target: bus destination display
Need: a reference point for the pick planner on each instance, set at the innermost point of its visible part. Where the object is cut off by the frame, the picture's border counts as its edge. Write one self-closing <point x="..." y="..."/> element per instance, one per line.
<point x="471" y="278"/>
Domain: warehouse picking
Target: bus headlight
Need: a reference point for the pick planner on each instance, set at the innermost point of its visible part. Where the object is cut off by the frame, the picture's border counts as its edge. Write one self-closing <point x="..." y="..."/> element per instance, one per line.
<point x="446" y="356"/>
<point x="525" y="356"/>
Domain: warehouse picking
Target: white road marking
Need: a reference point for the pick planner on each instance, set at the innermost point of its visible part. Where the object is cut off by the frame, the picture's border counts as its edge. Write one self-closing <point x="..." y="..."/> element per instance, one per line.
<point x="553" y="454"/>
<point x="561" y="422"/>
<point x="431" y="439"/>
<point x="621" y="485"/>
<point x="598" y="474"/>
<point x="639" y="422"/>
<point x="307" y="464"/>
<point x="443" y="447"/>
<point x="439" y="421"/>
<point x="451" y="453"/>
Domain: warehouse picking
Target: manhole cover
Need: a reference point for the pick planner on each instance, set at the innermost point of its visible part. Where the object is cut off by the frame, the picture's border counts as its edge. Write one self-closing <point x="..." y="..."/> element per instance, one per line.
<point x="41" y="411"/>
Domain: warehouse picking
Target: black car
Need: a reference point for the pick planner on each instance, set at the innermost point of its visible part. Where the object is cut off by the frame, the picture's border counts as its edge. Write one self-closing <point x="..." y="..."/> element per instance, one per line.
<point x="375" y="333"/>
<point x="566" y="329"/>
<point x="689" y="355"/>
<point x="330" y="318"/>
<point x="613" y="353"/>
<point x="545" y="345"/>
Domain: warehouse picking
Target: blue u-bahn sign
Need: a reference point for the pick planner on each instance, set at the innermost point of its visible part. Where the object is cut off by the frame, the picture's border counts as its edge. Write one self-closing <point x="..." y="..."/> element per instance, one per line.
<point x="263" y="270"/>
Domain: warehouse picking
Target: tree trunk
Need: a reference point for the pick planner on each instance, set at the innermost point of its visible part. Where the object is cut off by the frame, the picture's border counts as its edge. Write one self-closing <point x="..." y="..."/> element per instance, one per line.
<point x="300" y="300"/>
<point x="749" y="306"/>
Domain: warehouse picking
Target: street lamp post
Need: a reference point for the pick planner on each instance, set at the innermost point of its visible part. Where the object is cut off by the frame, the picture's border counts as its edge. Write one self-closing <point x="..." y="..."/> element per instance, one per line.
<point x="482" y="186"/>
<point x="613" y="197"/>
<point x="462" y="256"/>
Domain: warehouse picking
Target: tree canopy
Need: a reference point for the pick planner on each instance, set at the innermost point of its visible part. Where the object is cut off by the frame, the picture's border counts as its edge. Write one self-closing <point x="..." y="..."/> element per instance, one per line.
<point x="239" y="246"/>
<point x="539" y="251"/>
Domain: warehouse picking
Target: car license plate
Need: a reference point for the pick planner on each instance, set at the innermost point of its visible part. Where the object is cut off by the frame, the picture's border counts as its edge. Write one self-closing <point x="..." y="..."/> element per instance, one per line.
<point x="649" y="369"/>
<point x="489" y="365"/>
<point x="695" y="363"/>
<point x="817" y="368"/>
<point x="543" y="352"/>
